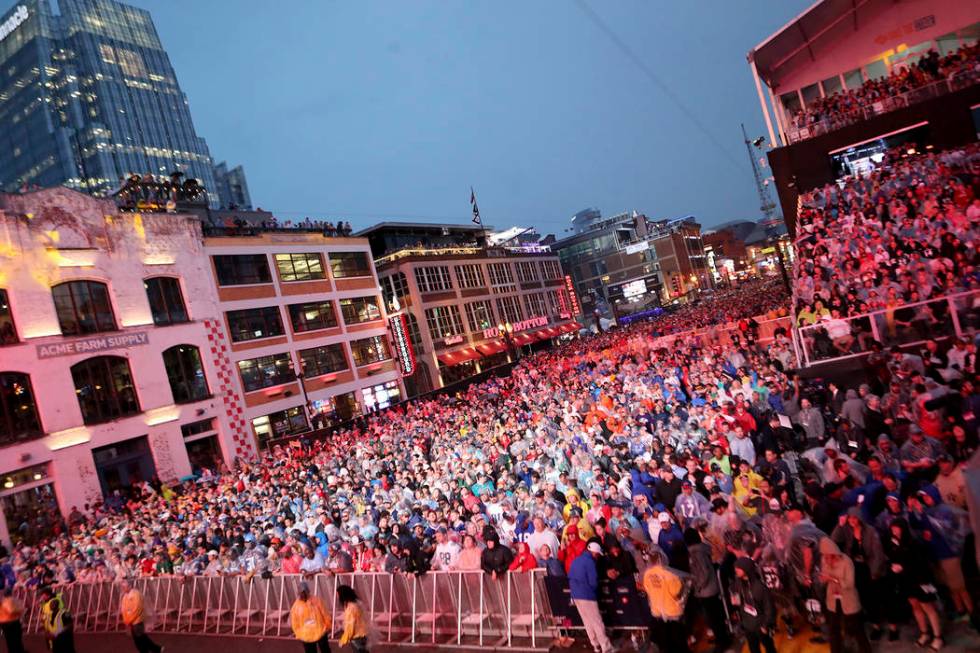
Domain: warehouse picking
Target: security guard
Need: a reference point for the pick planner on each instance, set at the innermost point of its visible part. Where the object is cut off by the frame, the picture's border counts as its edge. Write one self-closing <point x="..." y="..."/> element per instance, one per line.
<point x="310" y="621"/>
<point x="57" y="622"/>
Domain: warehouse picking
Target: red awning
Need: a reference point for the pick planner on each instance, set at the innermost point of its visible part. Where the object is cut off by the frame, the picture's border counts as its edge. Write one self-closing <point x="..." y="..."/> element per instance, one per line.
<point x="459" y="356"/>
<point x="544" y="334"/>
<point x="568" y="327"/>
<point x="492" y="347"/>
<point x="524" y="338"/>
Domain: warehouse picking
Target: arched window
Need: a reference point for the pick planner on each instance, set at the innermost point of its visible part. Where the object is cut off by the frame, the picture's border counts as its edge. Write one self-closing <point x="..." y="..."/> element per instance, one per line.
<point x="83" y="307"/>
<point x="166" y="300"/>
<point x="105" y="388"/>
<point x="18" y="413"/>
<point x="186" y="374"/>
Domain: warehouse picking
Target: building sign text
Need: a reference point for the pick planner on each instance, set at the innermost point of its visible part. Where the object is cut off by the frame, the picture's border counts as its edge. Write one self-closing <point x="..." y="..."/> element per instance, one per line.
<point x="92" y="345"/>
<point x="19" y="16"/>
<point x="533" y="323"/>
<point x="403" y="346"/>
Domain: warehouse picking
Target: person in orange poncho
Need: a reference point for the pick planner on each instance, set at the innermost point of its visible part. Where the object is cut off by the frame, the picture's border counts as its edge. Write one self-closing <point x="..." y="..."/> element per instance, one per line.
<point x="134" y="616"/>
<point x="310" y="621"/>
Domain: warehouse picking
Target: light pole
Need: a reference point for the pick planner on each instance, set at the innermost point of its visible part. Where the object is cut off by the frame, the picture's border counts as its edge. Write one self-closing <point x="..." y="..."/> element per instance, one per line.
<point x="301" y="377"/>
<point x="507" y="331"/>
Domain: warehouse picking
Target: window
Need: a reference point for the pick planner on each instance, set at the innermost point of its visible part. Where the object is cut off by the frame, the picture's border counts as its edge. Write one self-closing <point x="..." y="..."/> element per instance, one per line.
<point x="18" y="412"/>
<point x="381" y="396"/>
<point x="312" y="316"/>
<point x="254" y="323"/>
<point x="414" y="333"/>
<point x="166" y="300"/>
<point x="509" y="309"/>
<point x="479" y="316"/>
<point x="550" y="269"/>
<point x="105" y="389"/>
<point x="360" y="309"/>
<point x="810" y="94"/>
<point x="470" y="276"/>
<point x="299" y="267"/>
<point x="853" y="79"/>
<point x="555" y="303"/>
<point x="280" y="424"/>
<point x="323" y="360"/>
<point x="8" y="332"/>
<point x="349" y="264"/>
<point x="831" y="85"/>
<point x="265" y="371"/>
<point x="500" y="274"/>
<point x="434" y="278"/>
<point x="83" y="307"/>
<point x="186" y="375"/>
<point x="535" y="305"/>
<point x="393" y="289"/>
<point x="443" y="321"/>
<point x="370" y="350"/>
<point x="197" y="428"/>
<point x="242" y="269"/>
<point x="526" y="272"/>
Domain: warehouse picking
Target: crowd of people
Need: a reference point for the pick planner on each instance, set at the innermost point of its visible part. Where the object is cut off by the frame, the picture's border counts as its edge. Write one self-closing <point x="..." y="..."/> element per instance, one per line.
<point x="695" y="465"/>
<point x="240" y="226"/>
<point x="905" y="233"/>
<point x="847" y="106"/>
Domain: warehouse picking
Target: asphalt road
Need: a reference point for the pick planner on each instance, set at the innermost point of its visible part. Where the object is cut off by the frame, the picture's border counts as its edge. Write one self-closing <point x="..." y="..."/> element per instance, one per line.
<point x="960" y="640"/>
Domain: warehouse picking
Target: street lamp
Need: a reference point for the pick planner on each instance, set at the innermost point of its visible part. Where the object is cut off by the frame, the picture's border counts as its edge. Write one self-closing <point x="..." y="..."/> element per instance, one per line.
<point x="301" y="377"/>
<point x="506" y="330"/>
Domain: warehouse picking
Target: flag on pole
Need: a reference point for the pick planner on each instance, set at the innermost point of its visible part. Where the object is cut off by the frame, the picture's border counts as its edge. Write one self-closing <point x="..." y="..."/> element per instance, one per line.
<point x="476" y="209"/>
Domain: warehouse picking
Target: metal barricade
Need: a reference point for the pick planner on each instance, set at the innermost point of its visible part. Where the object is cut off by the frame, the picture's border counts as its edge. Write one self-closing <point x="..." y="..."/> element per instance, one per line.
<point x="905" y="325"/>
<point x="437" y="610"/>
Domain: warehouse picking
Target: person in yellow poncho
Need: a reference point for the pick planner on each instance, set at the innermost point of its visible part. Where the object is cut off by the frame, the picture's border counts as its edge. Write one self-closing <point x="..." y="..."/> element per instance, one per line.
<point x="355" y="627"/>
<point x="745" y="489"/>
<point x="133" y="615"/>
<point x="666" y="595"/>
<point x="310" y="621"/>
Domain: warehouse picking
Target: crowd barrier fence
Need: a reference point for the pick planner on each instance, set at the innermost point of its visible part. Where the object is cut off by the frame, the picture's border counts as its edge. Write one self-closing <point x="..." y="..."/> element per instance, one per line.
<point x="906" y="325"/>
<point x="439" y="610"/>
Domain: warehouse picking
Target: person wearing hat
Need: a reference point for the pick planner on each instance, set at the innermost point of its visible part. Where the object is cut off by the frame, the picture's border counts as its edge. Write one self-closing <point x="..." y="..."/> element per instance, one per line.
<point x="310" y="621"/>
<point x="583" y="582"/>
<point x="756" y="610"/>
<point x="10" y="614"/>
<point x="57" y="621"/>
<point x="132" y="612"/>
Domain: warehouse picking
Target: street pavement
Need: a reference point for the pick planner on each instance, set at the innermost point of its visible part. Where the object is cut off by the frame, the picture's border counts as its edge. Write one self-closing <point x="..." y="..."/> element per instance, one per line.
<point x="961" y="640"/>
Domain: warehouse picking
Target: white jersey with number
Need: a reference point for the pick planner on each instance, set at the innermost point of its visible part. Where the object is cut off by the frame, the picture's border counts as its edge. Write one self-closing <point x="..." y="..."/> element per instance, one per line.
<point x="446" y="556"/>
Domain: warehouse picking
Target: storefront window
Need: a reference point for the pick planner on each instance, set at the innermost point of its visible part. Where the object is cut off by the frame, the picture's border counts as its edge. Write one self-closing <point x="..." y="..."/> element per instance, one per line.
<point x="30" y="506"/>
<point x="381" y="396"/>
<point x="453" y="373"/>
<point x="280" y="424"/>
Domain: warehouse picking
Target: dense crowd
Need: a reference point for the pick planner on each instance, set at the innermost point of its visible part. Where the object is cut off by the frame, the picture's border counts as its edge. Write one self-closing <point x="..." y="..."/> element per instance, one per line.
<point x="692" y="464"/>
<point x="846" y="106"/>
<point x="905" y="233"/>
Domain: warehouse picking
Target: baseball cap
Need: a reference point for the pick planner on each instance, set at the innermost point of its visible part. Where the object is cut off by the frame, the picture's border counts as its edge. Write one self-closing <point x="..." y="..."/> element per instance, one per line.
<point x="595" y="548"/>
<point x="664" y="518"/>
<point x="774" y="505"/>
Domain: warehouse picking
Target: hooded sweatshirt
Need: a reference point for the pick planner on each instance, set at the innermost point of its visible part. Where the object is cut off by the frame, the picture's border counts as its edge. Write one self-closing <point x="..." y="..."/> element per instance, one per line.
<point x="838" y="572"/>
<point x="854" y="409"/>
<point x="755" y="603"/>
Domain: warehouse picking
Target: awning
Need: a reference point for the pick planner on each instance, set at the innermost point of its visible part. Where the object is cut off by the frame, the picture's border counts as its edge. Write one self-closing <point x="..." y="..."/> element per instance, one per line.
<point x="459" y="356"/>
<point x="491" y="348"/>
<point x="568" y="327"/>
<point x="544" y="334"/>
<point x="522" y="339"/>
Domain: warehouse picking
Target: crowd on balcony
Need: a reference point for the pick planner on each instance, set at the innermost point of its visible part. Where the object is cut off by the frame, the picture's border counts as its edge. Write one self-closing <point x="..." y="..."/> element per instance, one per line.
<point x="905" y="233"/>
<point x="238" y="226"/>
<point x="846" y="106"/>
<point x="651" y="455"/>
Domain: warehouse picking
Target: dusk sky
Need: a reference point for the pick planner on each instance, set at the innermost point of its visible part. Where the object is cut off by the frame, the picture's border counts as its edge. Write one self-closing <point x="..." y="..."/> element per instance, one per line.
<point x="373" y="111"/>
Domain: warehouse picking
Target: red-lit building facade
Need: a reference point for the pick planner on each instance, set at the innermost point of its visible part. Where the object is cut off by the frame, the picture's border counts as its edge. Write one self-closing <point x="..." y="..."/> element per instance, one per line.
<point x="467" y="308"/>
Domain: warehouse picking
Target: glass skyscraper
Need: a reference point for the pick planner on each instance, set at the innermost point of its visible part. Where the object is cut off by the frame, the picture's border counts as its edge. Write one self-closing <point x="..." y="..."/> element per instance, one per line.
<point x="88" y="96"/>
